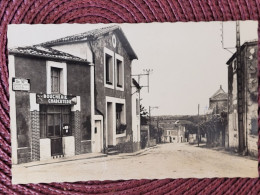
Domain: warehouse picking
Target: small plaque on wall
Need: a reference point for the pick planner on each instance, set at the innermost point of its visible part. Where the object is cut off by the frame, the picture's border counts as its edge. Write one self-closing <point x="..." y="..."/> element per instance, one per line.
<point x="21" y="84"/>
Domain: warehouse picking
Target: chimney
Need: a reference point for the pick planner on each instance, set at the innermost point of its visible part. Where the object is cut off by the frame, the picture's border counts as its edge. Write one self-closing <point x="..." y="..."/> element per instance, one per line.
<point x="220" y="86"/>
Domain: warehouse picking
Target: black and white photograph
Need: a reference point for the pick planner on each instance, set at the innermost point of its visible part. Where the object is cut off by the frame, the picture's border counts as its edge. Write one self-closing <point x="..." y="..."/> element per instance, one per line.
<point x="133" y="101"/>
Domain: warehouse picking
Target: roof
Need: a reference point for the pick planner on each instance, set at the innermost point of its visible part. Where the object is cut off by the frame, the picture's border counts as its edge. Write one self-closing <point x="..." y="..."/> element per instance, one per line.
<point x="92" y="35"/>
<point x="170" y="126"/>
<point x="41" y="51"/>
<point x="254" y="42"/>
<point x="220" y="94"/>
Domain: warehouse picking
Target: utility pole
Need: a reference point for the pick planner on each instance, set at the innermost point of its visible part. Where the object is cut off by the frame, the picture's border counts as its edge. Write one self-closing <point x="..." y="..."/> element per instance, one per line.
<point x="240" y="90"/>
<point x="198" y="126"/>
<point x="158" y="140"/>
<point x="147" y="73"/>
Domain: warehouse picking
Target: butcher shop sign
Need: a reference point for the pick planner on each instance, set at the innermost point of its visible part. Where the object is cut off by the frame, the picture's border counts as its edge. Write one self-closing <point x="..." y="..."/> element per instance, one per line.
<point x="56" y="99"/>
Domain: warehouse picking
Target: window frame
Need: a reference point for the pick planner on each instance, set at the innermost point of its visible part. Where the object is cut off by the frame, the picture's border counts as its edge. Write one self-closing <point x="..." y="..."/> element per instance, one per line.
<point x="58" y="77"/>
<point x="122" y="117"/>
<point x="46" y="112"/>
<point x="63" y="76"/>
<point x="121" y="59"/>
<point x="110" y="53"/>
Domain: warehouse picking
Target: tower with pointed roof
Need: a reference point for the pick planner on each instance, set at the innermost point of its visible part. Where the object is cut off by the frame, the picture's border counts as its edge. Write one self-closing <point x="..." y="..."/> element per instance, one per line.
<point x="218" y="101"/>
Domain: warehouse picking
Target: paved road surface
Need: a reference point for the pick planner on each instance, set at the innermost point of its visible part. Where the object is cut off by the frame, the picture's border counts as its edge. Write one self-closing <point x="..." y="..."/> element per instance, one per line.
<point x="164" y="161"/>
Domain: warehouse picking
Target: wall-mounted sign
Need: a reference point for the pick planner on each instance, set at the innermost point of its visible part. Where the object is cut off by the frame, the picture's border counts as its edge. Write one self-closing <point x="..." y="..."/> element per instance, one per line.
<point x="56" y="99"/>
<point x="20" y="84"/>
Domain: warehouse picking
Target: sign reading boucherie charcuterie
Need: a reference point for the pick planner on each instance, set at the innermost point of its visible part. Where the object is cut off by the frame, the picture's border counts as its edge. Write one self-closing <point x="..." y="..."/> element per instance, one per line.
<point x="56" y="99"/>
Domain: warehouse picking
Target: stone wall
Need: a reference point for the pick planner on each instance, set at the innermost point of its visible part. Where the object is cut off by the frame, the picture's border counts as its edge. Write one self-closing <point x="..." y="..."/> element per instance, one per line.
<point x="251" y="117"/>
<point x="35" y="128"/>
<point x="75" y="125"/>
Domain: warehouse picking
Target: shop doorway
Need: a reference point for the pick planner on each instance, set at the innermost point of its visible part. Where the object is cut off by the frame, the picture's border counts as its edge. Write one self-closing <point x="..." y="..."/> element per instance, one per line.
<point x="97" y="137"/>
<point x="55" y="124"/>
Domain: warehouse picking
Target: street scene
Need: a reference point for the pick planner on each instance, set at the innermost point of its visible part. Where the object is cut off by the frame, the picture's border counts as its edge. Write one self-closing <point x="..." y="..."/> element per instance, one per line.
<point x="172" y="160"/>
<point x="133" y="101"/>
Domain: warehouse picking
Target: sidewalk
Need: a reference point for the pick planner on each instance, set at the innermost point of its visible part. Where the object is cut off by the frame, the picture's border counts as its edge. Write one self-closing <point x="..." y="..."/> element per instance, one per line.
<point x="80" y="157"/>
<point x="137" y="152"/>
<point x="63" y="159"/>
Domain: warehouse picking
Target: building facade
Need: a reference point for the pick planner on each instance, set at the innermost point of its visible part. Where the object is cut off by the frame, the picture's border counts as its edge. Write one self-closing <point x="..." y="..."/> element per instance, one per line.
<point x="218" y="102"/>
<point x="174" y="134"/>
<point x="79" y="98"/>
<point x="136" y="121"/>
<point x="243" y="116"/>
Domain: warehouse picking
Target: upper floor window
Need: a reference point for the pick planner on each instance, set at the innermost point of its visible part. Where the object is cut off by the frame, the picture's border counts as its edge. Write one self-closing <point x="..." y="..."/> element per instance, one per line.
<point x="119" y="72"/>
<point x="55" y="80"/>
<point x="234" y="65"/>
<point x="113" y="70"/>
<point x="56" y="77"/>
<point x="109" y="69"/>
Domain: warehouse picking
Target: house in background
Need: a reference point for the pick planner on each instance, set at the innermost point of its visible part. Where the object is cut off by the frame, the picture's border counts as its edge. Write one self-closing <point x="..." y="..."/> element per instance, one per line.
<point x="218" y="102"/>
<point x="243" y="117"/>
<point x="215" y="125"/>
<point x="136" y="120"/>
<point x="73" y="96"/>
<point x="175" y="133"/>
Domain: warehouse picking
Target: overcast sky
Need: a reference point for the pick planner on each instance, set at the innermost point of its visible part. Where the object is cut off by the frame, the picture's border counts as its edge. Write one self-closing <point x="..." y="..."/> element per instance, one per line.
<point x="187" y="59"/>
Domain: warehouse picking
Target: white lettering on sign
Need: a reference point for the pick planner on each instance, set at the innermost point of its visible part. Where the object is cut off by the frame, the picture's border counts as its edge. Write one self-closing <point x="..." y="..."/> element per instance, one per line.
<point x="56" y="99"/>
<point x="20" y="84"/>
<point x="59" y="101"/>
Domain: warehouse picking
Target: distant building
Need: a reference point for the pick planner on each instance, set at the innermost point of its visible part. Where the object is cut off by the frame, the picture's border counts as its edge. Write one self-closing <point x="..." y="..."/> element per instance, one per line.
<point x="174" y="134"/>
<point x="216" y="119"/>
<point x="218" y="102"/>
<point x="144" y="131"/>
<point x="136" y="121"/>
<point x="243" y="87"/>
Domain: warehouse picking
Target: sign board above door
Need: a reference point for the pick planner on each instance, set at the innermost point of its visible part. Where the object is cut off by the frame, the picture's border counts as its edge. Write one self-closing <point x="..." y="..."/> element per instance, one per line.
<point x="56" y="99"/>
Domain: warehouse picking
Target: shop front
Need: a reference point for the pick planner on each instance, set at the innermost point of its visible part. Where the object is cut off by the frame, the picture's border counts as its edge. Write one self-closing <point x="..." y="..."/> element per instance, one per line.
<point x="56" y="135"/>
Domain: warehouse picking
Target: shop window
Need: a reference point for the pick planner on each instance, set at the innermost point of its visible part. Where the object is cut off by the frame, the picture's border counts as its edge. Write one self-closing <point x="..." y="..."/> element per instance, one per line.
<point x="109" y="69"/>
<point x="120" y="125"/>
<point x="55" y="80"/>
<point x="55" y="121"/>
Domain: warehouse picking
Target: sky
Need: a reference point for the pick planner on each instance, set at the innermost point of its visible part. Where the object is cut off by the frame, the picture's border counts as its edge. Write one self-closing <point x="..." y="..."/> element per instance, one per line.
<point x="187" y="60"/>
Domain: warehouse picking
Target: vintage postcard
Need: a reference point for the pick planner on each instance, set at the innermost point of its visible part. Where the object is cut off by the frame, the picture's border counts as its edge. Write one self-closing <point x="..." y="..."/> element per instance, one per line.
<point x="133" y="101"/>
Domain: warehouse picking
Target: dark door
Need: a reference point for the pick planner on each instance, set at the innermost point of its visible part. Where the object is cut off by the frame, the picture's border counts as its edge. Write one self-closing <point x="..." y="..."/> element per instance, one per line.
<point x="55" y="124"/>
<point x="56" y="146"/>
<point x="54" y="133"/>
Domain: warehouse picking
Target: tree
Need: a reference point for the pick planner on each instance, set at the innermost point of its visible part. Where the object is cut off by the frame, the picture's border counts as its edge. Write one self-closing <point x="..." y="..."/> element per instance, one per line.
<point x="143" y="115"/>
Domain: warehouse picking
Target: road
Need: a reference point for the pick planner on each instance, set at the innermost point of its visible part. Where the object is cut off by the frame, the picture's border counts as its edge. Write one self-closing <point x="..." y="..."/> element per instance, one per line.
<point x="173" y="160"/>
